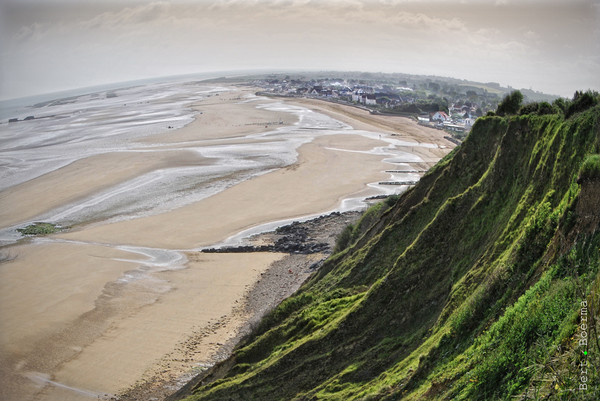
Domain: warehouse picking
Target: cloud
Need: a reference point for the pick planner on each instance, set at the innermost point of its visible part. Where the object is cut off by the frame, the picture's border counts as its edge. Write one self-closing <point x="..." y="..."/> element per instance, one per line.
<point x="119" y="41"/>
<point x="143" y="14"/>
<point x="28" y="32"/>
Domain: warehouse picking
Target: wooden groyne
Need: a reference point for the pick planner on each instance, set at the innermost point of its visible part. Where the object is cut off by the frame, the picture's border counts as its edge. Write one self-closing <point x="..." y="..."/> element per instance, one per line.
<point x="405" y="171"/>
<point x="398" y="182"/>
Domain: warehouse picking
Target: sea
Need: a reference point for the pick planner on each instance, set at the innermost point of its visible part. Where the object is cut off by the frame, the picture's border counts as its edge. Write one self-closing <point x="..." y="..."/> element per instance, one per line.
<point x="41" y="134"/>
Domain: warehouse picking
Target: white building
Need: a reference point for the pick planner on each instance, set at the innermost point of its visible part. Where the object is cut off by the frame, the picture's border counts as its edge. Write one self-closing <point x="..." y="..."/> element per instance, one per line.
<point x="439" y="116"/>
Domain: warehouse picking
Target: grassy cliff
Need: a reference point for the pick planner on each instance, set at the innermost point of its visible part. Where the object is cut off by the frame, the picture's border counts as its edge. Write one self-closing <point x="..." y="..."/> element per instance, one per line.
<point x="479" y="283"/>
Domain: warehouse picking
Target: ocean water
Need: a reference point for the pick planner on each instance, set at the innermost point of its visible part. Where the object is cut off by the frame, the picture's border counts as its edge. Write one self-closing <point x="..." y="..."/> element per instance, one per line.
<point x="66" y="129"/>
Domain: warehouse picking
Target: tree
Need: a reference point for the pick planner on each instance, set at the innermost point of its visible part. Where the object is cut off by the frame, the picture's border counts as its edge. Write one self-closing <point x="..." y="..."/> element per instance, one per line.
<point x="530" y="108"/>
<point x="561" y="104"/>
<point x="582" y="101"/>
<point x="547" y="108"/>
<point x="434" y="86"/>
<point x="510" y="104"/>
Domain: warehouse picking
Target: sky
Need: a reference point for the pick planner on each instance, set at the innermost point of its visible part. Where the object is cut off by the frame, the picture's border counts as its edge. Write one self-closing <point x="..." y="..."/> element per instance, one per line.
<point x="551" y="46"/>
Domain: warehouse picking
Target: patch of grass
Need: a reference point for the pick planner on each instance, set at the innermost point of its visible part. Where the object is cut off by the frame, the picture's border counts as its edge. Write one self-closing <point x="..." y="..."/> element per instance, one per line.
<point x="39" y="229"/>
<point x="353" y="232"/>
<point x="344" y="240"/>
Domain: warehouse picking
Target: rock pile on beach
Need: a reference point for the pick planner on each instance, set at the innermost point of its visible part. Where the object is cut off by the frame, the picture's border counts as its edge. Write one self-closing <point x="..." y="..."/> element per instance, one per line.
<point x="313" y="236"/>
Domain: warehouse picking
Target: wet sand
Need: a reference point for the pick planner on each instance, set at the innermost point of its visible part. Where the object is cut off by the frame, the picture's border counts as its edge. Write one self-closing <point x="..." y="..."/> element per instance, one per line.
<point x="88" y="318"/>
<point x="316" y="184"/>
<point x="83" y="178"/>
<point x="224" y="116"/>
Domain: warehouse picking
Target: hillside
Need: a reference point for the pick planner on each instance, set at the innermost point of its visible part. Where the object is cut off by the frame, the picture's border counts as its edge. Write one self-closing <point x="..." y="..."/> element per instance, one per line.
<point x="479" y="283"/>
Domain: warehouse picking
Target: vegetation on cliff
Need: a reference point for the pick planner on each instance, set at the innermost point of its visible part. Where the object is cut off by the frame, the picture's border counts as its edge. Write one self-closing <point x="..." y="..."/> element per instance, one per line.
<point x="482" y="282"/>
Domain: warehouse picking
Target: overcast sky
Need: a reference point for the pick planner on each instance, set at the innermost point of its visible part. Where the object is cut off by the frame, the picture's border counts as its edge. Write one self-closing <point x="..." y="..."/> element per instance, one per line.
<point x="547" y="45"/>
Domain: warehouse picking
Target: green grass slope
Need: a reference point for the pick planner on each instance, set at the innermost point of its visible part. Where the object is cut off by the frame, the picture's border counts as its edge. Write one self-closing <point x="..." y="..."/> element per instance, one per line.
<point x="479" y="283"/>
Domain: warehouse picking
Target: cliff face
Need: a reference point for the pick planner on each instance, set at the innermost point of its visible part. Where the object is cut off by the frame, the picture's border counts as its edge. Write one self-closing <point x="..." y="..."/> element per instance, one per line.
<point x="471" y="286"/>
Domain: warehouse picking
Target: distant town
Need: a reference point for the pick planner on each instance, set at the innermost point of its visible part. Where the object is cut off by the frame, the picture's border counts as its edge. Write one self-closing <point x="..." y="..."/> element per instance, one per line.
<point x="444" y="103"/>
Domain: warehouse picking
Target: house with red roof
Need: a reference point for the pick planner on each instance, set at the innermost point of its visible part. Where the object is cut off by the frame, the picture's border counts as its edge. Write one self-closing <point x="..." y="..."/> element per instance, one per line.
<point x="439" y="116"/>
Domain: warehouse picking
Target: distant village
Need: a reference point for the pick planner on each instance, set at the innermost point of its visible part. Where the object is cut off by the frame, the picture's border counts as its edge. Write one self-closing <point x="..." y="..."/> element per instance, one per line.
<point x="448" y="104"/>
<point x="457" y="117"/>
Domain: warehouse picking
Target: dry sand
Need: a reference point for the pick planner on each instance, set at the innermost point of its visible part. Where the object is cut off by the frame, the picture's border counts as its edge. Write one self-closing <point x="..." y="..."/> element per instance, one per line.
<point x="98" y="341"/>
<point x="229" y="115"/>
<point x="203" y="293"/>
<point x="401" y="128"/>
<point x="73" y="329"/>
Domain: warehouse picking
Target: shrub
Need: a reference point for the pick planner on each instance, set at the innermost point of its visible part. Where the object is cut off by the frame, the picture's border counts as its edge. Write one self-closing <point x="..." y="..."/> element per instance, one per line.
<point x="539" y="108"/>
<point x="561" y="104"/>
<point x="529" y="108"/>
<point x="547" y="108"/>
<point x="344" y="239"/>
<point x="581" y="102"/>
<point x="510" y="104"/>
<point x="590" y="169"/>
<point x="392" y="200"/>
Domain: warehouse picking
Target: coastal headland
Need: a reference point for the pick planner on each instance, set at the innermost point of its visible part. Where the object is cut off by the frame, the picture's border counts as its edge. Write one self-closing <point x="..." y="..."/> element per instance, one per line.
<point x="111" y="303"/>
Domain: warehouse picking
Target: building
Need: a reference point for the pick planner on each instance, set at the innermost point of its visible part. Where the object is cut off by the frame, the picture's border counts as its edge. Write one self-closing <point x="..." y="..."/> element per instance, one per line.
<point x="439" y="116"/>
<point x="316" y="90"/>
<point x="369" y="100"/>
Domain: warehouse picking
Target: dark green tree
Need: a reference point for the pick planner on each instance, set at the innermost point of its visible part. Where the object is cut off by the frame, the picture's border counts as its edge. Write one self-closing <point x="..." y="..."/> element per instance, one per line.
<point x="582" y="101"/>
<point x="510" y="104"/>
<point x="547" y="108"/>
<point x="530" y="108"/>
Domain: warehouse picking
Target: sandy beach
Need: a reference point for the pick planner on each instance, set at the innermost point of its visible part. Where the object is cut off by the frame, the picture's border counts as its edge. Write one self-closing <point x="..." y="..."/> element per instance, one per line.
<point x="398" y="127"/>
<point x="88" y="313"/>
<point x="321" y="176"/>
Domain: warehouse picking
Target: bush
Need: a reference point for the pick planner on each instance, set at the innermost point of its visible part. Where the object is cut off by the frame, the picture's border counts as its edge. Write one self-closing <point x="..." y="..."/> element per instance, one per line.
<point x="510" y="104"/>
<point x="547" y="108"/>
<point x="590" y="169"/>
<point x="392" y="200"/>
<point x="561" y="104"/>
<point x="529" y="108"/>
<point x="344" y="239"/>
<point x="581" y="102"/>
<point x="541" y="109"/>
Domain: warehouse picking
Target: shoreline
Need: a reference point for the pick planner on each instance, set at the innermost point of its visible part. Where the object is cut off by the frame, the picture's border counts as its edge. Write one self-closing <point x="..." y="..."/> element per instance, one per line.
<point x="280" y="280"/>
<point x="218" y="119"/>
<point x="140" y="300"/>
<point x="399" y="127"/>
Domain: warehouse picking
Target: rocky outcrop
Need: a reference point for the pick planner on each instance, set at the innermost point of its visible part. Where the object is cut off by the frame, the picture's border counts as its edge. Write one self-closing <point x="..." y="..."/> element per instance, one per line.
<point x="298" y="237"/>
